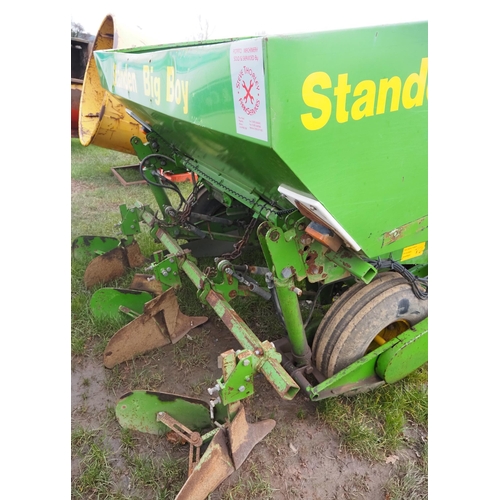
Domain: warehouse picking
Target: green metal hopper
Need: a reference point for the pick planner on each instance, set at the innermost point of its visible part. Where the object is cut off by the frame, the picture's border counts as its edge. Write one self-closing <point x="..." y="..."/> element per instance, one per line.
<point x="340" y="118"/>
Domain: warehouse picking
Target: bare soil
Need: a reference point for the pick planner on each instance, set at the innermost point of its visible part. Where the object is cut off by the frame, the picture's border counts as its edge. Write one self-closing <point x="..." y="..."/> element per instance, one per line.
<point x="300" y="458"/>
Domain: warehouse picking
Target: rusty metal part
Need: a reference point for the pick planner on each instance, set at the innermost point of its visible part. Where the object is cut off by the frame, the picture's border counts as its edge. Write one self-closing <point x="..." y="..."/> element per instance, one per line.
<point x="244" y="436"/>
<point x="238" y="247"/>
<point x="191" y="437"/>
<point x="324" y="235"/>
<point x="106" y="267"/>
<point x="146" y="283"/>
<point x="214" y="466"/>
<point x="161" y="323"/>
<point x="194" y="460"/>
<point x="113" y="264"/>
<point x="134" y="255"/>
<point x="227" y="451"/>
<point x="122" y="181"/>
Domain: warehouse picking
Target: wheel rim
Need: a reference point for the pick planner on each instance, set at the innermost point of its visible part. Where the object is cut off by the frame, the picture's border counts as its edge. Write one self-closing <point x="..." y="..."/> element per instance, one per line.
<point x="388" y="333"/>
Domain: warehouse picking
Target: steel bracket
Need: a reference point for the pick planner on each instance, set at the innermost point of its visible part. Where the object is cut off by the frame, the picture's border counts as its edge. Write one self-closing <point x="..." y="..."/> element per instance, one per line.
<point x="239" y="384"/>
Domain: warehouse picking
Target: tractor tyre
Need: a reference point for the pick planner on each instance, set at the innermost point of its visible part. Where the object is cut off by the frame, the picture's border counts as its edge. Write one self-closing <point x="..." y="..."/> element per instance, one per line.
<point x="383" y="309"/>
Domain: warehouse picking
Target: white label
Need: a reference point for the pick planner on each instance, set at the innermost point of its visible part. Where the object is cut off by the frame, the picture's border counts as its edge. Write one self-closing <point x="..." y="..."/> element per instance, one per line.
<point x="249" y="92"/>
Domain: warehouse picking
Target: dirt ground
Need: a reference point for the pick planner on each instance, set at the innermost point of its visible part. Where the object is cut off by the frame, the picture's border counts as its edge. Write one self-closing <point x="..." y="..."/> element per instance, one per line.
<point x="300" y="458"/>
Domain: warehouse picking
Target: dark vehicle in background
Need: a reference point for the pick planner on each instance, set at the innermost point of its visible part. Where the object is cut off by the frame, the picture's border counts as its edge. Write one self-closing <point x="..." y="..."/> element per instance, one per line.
<point x="80" y="51"/>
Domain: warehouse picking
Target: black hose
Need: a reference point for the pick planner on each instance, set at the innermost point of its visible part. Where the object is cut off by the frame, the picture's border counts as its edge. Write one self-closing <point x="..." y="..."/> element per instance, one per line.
<point x="169" y="184"/>
<point x="420" y="286"/>
<point x="314" y="303"/>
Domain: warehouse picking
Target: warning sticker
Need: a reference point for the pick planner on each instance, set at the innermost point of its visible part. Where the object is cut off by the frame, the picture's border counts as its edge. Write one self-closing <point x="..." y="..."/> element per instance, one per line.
<point x="413" y="251"/>
<point x="249" y="93"/>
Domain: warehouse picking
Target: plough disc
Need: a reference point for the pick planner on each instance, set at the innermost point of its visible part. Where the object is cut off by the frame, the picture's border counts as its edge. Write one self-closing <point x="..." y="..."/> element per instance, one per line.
<point x="137" y="411"/>
<point x="113" y="264"/>
<point x="114" y="302"/>
<point x="91" y="246"/>
<point x="161" y="323"/>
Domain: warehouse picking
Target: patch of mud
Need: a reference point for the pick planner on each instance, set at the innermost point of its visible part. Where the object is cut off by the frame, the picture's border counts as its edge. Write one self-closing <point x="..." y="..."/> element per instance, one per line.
<point x="299" y="459"/>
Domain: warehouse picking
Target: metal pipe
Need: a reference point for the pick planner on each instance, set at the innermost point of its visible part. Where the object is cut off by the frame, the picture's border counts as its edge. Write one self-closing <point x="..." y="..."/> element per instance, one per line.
<point x="292" y="316"/>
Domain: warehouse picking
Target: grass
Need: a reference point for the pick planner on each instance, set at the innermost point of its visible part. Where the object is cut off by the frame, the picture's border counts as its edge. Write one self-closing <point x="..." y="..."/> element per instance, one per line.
<point x="254" y="484"/>
<point x="192" y="352"/>
<point x="408" y="482"/>
<point x="94" y="479"/>
<point x="372" y="425"/>
<point x="164" y="476"/>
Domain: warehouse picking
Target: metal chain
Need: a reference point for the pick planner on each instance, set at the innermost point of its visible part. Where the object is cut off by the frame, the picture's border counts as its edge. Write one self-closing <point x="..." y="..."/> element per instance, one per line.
<point x="238" y="247"/>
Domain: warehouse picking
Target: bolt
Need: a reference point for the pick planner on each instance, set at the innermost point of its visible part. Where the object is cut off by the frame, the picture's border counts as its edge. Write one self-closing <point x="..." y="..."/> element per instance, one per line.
<point x="132" y="226"/>
<point x="247" y="379"/>
<point x="241" y="388"/>
<point x="274" y="236"/>
<point x="215" y="388"/>
<point x="171" y="260"/>
<point x="287" y="272"/>
<point x="212" y="403"/>
<point x="169" y="269"/>
<point x="258" y="352"/>
<point x="246" y="362"/>
<point x="296" y="290"/>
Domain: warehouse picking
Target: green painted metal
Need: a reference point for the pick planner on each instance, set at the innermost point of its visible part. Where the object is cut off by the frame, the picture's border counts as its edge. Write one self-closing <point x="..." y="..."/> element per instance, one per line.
<point x="167" y="272"/>
<point x="137" y="410"/>
<point x="107" y="302"/>
<point x="160" y="194"/>
<point x="228" y="362"/>
<point x="355" y="378"/>
<point x="282" y="255"/>
<point x="351" y="262"/>
<point x="408" y="354"/>
<point x="90" y="246"/>
<point x="387" y="364"/>
<point x="289" y="303"/>
<point x="130" y="221"/>
<point x="238" y="384"/>
<point x="336" y="137"/>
